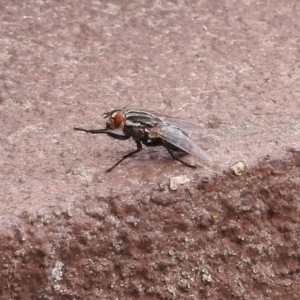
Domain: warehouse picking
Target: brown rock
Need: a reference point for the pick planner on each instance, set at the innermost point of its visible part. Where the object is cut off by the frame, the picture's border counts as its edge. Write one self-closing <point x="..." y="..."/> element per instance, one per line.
<point x="68" y="230"/>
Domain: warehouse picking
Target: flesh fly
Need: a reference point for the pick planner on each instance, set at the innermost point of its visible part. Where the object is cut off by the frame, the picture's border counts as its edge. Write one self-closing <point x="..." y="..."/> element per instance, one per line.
<point x="151" y="129"/>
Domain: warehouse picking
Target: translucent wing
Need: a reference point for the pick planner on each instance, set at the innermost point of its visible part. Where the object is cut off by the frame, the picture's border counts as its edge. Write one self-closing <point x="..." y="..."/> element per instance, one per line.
<point x="182" y="124"/>
<point x="178" y="138"/>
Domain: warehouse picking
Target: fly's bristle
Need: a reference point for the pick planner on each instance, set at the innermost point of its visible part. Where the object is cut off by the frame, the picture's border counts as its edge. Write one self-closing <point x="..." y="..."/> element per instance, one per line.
<point x="106" y="115"/>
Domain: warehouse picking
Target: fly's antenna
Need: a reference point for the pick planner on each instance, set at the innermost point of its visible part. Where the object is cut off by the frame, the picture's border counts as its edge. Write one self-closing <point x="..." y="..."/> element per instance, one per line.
<point x="106" y="115"/>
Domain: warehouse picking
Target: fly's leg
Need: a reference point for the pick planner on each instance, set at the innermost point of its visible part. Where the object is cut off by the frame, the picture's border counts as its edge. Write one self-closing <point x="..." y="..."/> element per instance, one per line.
<point x="160" y="142"/>
<point x="111" y="134"/>
<point x="91" y="130"/>
<point x="176" y="158"/>
<point x="139" y="148"/>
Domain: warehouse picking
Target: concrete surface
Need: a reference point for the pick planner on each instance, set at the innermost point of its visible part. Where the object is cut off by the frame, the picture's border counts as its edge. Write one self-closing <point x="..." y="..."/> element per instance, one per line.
<point x="68" y="230"/>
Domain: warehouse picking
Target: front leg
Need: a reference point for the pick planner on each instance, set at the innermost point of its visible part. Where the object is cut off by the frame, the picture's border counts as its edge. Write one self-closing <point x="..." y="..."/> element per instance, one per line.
<point x="111" y="134"/>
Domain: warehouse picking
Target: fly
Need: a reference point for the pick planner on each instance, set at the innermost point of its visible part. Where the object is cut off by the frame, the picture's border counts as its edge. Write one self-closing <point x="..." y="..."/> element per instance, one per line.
<point x="151" y="129"/>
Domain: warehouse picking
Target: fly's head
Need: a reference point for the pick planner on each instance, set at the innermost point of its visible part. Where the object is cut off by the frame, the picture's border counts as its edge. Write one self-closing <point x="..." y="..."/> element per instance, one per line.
<point x="116" y="119"/>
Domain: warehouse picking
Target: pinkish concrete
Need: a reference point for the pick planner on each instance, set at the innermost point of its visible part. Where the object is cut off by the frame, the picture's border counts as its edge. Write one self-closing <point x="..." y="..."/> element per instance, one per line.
<point x="68" y="230"/>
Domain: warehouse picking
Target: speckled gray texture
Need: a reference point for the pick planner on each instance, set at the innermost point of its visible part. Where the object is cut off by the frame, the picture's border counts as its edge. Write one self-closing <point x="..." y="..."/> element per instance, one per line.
<point x="68" y="230"/>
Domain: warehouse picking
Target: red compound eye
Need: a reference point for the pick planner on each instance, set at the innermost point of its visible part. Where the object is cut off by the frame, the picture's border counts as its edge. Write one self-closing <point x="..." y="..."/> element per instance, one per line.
<point x="118" y="119"/>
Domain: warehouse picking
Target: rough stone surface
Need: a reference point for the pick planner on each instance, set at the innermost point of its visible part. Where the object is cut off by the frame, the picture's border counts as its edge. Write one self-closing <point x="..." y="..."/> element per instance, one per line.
<point x="68" y="230"/>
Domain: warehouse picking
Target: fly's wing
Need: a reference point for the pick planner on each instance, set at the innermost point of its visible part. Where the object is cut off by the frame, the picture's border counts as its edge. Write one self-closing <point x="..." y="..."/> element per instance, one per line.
<point x="178" y="138"/>
<point x="153" y="118"/>
<point x="184" y="125"/>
